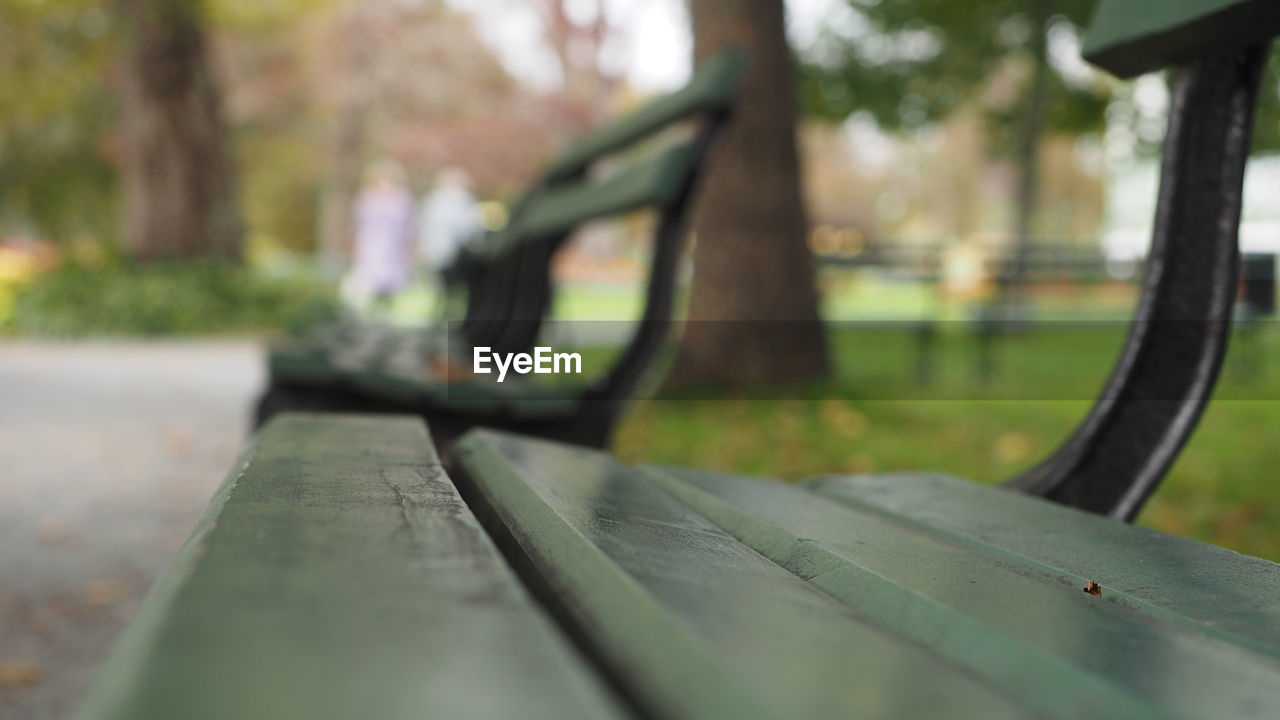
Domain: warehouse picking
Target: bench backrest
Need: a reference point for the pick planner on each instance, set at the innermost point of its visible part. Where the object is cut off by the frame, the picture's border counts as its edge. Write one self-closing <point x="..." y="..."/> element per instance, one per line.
<point x="1173" y="354"/>
<point x="509" y="285"/>
<point x="575" y="197"/>
<point x="714" y="87"/>
<point x="653" y="180"/>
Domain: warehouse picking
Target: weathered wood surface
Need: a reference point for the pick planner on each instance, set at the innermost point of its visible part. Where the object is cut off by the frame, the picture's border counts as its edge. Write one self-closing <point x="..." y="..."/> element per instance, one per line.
<point x="338" y="574"/>
<point x="1131" y="37"/>
<point x="691" y="622"/>
<point x="1021" y="623"/>
<point x="1205" y="589"/>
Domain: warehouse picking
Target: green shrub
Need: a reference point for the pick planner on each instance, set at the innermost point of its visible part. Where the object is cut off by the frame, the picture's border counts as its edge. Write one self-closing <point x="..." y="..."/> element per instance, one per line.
<point x="167" y="298"/>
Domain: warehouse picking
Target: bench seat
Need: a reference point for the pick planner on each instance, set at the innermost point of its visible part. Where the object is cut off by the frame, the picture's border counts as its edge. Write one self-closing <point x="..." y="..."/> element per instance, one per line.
<point x="338" y="574"/>
<point x="886" y="596"/>
<point x="1205" y="588"/>
<point x="341" y="572"/>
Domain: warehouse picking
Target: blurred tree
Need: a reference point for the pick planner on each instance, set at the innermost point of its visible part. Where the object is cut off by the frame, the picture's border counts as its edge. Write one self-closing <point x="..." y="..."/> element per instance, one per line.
<point x="754" y="308"/>
<point x="354" y="56"/>
<point x="179" y="198"/>
<point x="56" y="176"/>
<point x="913" y="62"/>
<point x="272" y="112"/>
<point x="578" y="40"/>
<point x="413" y="81"/>
<point x="1266" y="134"/>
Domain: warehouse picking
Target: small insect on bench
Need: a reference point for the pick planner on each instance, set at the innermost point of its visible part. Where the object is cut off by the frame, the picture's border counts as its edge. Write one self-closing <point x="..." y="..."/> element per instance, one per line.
<point x="343" y="572"/>
<point x="507" y="276"/>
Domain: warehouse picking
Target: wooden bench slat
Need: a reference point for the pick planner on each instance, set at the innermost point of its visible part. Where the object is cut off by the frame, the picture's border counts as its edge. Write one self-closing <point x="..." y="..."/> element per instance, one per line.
<point x="653" y="181"/>
<point x="1131" y="37"/>
<point x="712" y="87"/>
<point x="1208" y="589"/>
<point x="1021" y="625"/>
<point x="691" y="621"/>
<point x="338" y="574"/>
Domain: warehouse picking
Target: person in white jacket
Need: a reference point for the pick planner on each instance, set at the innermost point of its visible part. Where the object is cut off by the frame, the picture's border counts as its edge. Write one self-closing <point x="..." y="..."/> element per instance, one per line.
<point x="448" y="218"/>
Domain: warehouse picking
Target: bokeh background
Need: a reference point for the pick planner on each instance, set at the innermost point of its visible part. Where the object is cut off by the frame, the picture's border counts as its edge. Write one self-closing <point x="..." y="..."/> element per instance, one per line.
<point x="952" y="160"/>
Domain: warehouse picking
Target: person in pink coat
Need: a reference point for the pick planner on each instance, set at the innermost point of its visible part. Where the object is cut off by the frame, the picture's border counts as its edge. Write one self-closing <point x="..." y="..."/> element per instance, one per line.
<point x="383" y="233"/>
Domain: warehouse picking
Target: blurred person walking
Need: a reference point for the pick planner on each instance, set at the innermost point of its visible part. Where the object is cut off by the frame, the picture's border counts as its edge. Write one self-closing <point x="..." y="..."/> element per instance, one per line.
<point x="383" y="229"/>
<point x="448" y="218"/>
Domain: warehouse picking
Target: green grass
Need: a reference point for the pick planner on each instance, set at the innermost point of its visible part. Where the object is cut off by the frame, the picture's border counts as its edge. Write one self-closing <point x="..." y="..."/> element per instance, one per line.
<point x="873" y="417"/>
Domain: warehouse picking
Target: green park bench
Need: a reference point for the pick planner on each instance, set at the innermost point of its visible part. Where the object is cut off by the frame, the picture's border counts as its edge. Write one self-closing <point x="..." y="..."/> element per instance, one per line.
<point x="343" y="571"/>
<point x="370" y="368"/>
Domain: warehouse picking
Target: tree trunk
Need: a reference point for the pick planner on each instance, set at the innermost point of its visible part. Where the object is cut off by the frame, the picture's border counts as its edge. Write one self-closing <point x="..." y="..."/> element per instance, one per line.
<point x="178" y="192"/>
<point x="1029" y="161"/>
<point x="753" y="315"/>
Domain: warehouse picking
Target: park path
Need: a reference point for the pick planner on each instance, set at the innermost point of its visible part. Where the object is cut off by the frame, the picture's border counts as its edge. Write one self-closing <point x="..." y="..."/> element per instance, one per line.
<point x="108" y="453"/>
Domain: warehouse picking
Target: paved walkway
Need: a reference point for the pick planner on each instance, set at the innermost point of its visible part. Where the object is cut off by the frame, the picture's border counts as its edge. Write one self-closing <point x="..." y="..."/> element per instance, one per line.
<point x="108" y="453"/>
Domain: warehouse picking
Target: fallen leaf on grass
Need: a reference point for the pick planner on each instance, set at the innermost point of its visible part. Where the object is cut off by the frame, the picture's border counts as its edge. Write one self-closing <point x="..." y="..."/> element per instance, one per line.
<point x="842" y="418"/>
<point x="441" y="368"/>
<point x="1013" y="447"/>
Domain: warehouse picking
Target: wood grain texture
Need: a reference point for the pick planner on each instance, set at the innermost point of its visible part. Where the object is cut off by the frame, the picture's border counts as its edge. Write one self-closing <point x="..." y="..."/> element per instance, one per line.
<point x="338" y="574"/>
<point x="688" y="620"/>
<point x="1207" y="589"/>
<point x="1025" y="626"/>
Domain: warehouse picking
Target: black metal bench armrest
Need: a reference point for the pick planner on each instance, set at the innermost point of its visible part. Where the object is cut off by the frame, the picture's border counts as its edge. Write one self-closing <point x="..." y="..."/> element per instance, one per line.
<point x="1172" y="357"/>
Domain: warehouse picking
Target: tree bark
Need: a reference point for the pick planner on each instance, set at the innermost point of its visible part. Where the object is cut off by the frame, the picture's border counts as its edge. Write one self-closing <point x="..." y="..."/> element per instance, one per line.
<point x="753" y="315"/>
<point x="179" y="199"/>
